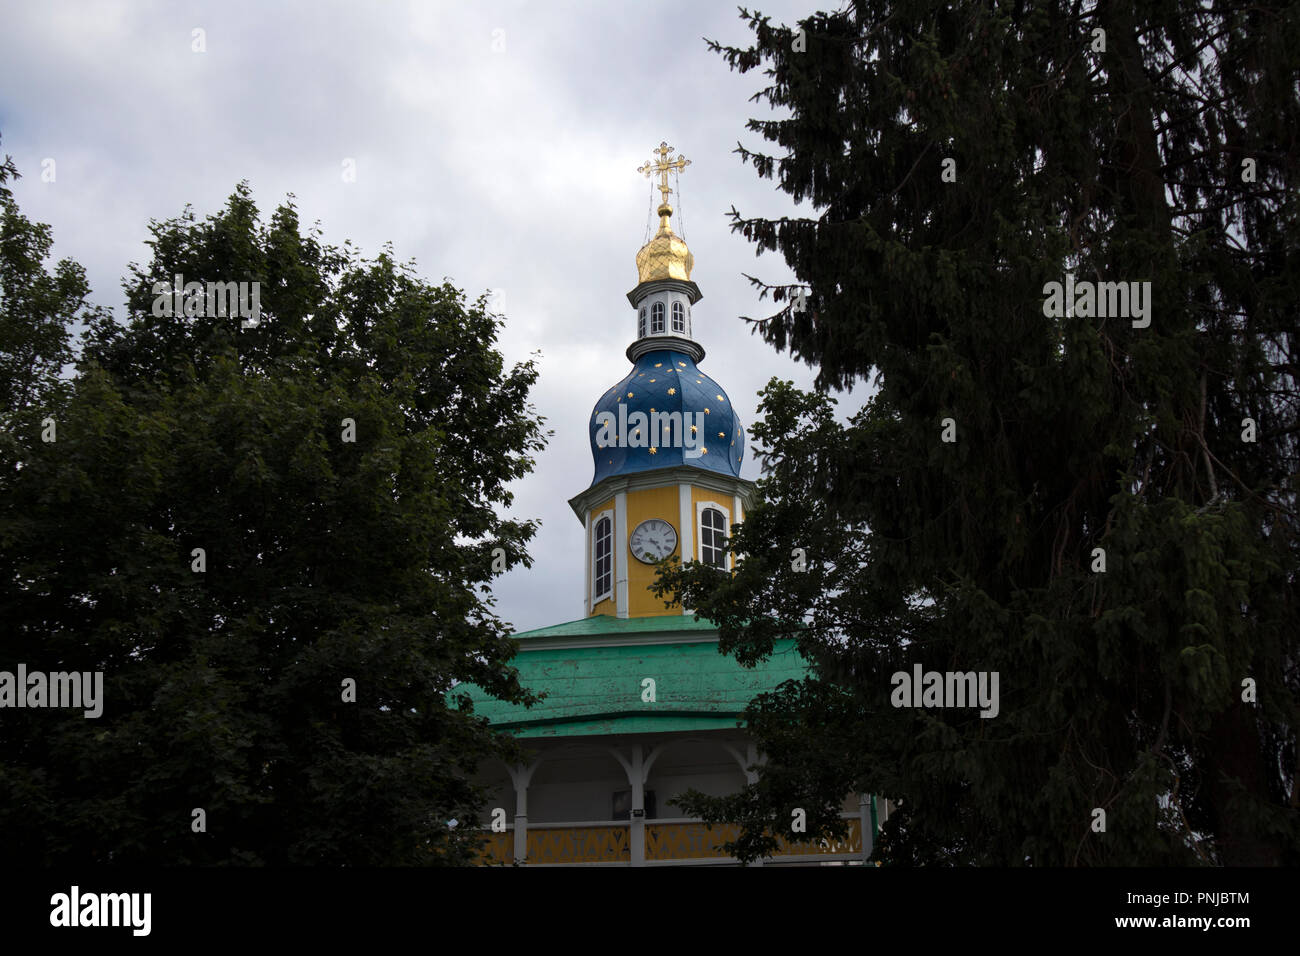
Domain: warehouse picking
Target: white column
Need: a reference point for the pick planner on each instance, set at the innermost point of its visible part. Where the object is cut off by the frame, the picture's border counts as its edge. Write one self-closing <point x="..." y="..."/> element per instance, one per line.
<point x="586" y="581"/>
<point x="686" y="533"/>
<point x="620" y="552"/>
<point x="521" y="776"/>
<point x="736" y="516"/>
<point x="864" y="824"/>
<point x="636" y="837"/>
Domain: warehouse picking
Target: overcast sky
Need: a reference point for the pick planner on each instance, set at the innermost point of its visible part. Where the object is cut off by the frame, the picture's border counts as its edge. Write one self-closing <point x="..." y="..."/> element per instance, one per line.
<point x="496" y="144"/>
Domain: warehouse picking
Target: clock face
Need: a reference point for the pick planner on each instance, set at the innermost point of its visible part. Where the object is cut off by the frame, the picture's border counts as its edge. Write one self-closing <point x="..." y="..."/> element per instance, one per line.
<point x="653" y="540"/>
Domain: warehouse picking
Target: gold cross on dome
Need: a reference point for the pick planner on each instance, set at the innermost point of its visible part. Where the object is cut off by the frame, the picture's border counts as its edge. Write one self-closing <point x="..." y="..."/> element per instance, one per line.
<point x="662" y="165"/>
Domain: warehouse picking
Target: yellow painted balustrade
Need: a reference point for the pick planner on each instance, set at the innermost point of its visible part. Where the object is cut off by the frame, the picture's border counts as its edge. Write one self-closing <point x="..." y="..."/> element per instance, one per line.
<point x="583" y="844"/>
<point x="497" y="849"/>
<point x="676" y="840"/>
<point x="686" y="841"/>
<point x="693" y="841"/>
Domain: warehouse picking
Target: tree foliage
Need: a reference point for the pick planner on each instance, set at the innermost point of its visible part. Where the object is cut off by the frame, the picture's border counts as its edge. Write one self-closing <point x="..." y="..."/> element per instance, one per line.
<point x="37" y="308"/>
<point x="1165" y="150"/>
<point x="328" y="556"/>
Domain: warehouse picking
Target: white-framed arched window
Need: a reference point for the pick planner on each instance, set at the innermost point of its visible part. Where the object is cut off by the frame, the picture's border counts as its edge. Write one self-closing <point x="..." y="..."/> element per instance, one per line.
<point x="640" y="325"/>
<point x="714" y="526"/>
<point x="656" y="318"/>
<point x="679" y="318"/>
<point x="602" y="557"/>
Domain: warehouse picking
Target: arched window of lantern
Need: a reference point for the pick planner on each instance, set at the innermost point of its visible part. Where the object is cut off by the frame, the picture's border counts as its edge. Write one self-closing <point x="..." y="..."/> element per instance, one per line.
<point x="657" y="318"/>
<point x="679" y="318"/>
<point x="602" y="557"/>
<point x="714" y="527"/>
<point x="640" y="325"/>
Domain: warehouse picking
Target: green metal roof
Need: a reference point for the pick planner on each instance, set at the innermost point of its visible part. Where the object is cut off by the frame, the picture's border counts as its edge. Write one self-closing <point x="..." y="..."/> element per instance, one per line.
<point x="598" y="689"/>
<point x="606" y="624"/>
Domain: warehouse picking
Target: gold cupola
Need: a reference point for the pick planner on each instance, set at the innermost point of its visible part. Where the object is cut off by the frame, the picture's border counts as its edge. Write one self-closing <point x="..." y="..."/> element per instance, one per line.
<point x="666" y="255"/>
<point x="664" y="292"/>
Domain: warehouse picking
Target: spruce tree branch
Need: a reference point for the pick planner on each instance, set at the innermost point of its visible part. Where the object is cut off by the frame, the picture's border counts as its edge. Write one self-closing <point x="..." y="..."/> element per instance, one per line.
<point x="1218" y="207"/>
<point x="1159" y="746"/>
<point x="1195" y="54"/>
<point x="1177" y="804"/>
<point x="1279" y="432"/>
<point x="912" y="170"/>
<point x="1205" y="449"/>
<point x="1232" y="473"/>
<point x="1103" y="771"/>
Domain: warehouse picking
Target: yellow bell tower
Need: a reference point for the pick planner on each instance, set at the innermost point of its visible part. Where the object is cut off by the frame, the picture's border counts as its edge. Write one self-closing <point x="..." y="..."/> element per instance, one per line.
<point x="666" y="443"/>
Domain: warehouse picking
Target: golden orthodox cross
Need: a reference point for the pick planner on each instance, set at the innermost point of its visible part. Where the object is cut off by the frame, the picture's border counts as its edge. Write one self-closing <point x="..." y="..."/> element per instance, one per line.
<point x="662" y="166"/>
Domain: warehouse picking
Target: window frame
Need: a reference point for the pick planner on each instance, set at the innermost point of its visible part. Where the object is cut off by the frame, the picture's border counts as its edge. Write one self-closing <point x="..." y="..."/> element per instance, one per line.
<point x="700" y="509"/>
<point x="679" y="318"/>
<point x="596" y="594"/>
<point x="657" y="321"/>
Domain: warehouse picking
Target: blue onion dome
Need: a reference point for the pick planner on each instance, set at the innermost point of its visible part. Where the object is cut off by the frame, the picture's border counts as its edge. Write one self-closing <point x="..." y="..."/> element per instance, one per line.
<point x="665" y="413"/>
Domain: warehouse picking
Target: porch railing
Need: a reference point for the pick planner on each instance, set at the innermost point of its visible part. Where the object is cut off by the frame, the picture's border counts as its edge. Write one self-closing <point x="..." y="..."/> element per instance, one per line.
<point x="682" y="840"/>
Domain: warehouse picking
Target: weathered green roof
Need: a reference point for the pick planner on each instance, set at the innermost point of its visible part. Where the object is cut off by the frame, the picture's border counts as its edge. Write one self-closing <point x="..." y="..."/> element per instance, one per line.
<point x="598" y="689"/>
<point x="607" y="624"/>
